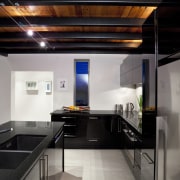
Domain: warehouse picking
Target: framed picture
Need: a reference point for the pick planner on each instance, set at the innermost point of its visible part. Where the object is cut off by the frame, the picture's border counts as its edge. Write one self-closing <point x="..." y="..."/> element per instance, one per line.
<point x="48" y="86"/>
<point x="31" y="85"/>
<point x="62" y="84"/>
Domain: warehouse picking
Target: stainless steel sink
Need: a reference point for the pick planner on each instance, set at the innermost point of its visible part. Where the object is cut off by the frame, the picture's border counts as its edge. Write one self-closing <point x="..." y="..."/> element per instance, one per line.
<point x="11" y="160"/>
<point x="22" y="142"/>
<point x="15" y="150"/>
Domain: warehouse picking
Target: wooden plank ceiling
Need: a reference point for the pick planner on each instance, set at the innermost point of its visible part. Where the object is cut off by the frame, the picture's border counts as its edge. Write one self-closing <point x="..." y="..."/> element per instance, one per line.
<point x="72" y="27"/>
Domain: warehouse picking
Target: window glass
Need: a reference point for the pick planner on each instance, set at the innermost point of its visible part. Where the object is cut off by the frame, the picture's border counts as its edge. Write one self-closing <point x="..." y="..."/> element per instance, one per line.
<point x="81" y="82"/>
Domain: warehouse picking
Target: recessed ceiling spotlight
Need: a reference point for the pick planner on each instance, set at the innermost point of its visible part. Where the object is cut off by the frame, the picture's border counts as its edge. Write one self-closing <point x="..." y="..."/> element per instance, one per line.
<point x="42" y="44"/>
<point x="30" y="33"/>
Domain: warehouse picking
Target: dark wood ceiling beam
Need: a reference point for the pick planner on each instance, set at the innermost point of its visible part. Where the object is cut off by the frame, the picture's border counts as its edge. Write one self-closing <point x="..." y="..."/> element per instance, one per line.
<point x="73" y="35"/>
<point x="80" y="50"/>
<point x="85" y="2"/>
<point x="73" y="21"/>
<point x="54" y="45"/>
<point x="74" y="51"/>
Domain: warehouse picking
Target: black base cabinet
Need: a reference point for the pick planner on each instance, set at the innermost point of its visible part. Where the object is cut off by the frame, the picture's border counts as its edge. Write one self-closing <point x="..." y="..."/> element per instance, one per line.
<point x="87" y="131"/>
<point x="103" y="131"/>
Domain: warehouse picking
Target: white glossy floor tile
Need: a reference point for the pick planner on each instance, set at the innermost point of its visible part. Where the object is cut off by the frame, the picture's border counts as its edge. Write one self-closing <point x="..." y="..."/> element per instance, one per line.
<point x="96" y="165"/>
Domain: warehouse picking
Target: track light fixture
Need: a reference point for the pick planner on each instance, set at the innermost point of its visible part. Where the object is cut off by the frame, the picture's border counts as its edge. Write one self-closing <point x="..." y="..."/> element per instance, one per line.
<point x="30" y="33"/>
<point x="42" y="44"/>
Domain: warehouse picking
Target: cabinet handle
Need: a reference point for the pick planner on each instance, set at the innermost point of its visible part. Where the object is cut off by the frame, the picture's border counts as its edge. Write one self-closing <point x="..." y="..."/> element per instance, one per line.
<point x="70" y="136"/>
<point x="70" y="125"/>
<point x="119" y="126"/>
<point x="93" y="118"/>
<point x="67" y="117"/>
<point x="93" y="140"/>
<point x="111" y="126"/>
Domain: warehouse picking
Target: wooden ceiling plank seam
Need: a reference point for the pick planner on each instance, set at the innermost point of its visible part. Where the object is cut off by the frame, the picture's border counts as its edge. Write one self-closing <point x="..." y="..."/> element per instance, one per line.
<point x="142" y="10"/>
<point x="133" y="12"/>
<point x="126" y="11"/>
<point x="52" y="11"/>
<point x="147" y="12"/>
<point x="77" y="11"/>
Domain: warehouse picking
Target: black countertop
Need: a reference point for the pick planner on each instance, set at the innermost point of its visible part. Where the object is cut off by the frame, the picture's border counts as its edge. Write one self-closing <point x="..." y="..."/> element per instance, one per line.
<point x="49" y="129"/>
<point x="131" y="117"/>
<point x="85" y="113"/>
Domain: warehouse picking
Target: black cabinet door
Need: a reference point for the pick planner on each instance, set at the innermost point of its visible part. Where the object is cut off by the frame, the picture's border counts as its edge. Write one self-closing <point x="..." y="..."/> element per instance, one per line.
<point x="95" y="131"/>
<point x="104" y="132"/>
<point x="113" y="135"/>
<point x="80" y="141"/>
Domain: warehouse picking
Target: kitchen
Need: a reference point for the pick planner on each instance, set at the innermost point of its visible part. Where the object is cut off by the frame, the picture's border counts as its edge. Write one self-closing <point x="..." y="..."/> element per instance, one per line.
<point x="104" y="90"/>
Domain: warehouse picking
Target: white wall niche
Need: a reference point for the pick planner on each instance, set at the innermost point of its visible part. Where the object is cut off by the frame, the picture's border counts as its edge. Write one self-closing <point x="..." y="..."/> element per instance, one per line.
<point x="31" y="105"/>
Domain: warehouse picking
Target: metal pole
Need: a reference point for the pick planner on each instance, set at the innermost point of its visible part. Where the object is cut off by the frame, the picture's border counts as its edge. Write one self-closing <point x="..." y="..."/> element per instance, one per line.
<point x="156" y="81"/>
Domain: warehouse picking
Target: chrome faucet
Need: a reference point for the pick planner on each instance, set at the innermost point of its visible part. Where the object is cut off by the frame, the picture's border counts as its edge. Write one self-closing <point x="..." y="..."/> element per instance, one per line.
<point x="6" y="130"/>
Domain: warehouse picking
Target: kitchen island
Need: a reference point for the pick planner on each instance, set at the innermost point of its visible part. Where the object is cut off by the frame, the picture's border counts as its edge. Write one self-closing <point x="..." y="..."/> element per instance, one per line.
<point x="19" y="162"/>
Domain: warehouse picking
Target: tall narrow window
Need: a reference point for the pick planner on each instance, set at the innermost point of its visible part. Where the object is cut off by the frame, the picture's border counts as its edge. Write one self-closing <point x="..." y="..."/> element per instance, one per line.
<point x="81" y="82"/>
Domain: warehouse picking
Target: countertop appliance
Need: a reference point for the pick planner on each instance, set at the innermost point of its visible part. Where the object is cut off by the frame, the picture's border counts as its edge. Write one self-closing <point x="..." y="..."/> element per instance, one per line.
<point x="129" y="107"/>
<point x="168" y="122"/>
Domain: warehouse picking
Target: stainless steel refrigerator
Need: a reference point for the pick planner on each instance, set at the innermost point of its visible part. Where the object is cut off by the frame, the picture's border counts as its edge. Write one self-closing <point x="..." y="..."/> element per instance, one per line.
<point x="168" y="122"/>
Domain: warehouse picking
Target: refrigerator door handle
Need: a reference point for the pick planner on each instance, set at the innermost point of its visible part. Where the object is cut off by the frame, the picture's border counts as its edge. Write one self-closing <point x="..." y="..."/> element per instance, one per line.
<point x="161" y="126"/>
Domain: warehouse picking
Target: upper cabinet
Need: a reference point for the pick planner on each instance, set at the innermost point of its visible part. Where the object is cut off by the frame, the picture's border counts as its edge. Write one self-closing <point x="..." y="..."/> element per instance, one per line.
<point x="131" y="70"/>
<point x="140" y="69"/>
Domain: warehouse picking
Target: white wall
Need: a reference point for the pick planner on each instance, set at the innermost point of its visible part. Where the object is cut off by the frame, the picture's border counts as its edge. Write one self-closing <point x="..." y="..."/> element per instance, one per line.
<point x="31" y="105"/>
<point x="5" y="88"/>
<point x="104" y="85"/>
<point x="105" y="90"/>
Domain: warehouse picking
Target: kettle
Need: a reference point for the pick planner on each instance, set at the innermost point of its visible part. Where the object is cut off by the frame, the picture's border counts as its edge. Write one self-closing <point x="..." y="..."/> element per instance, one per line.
<point x="129" y="107"/>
